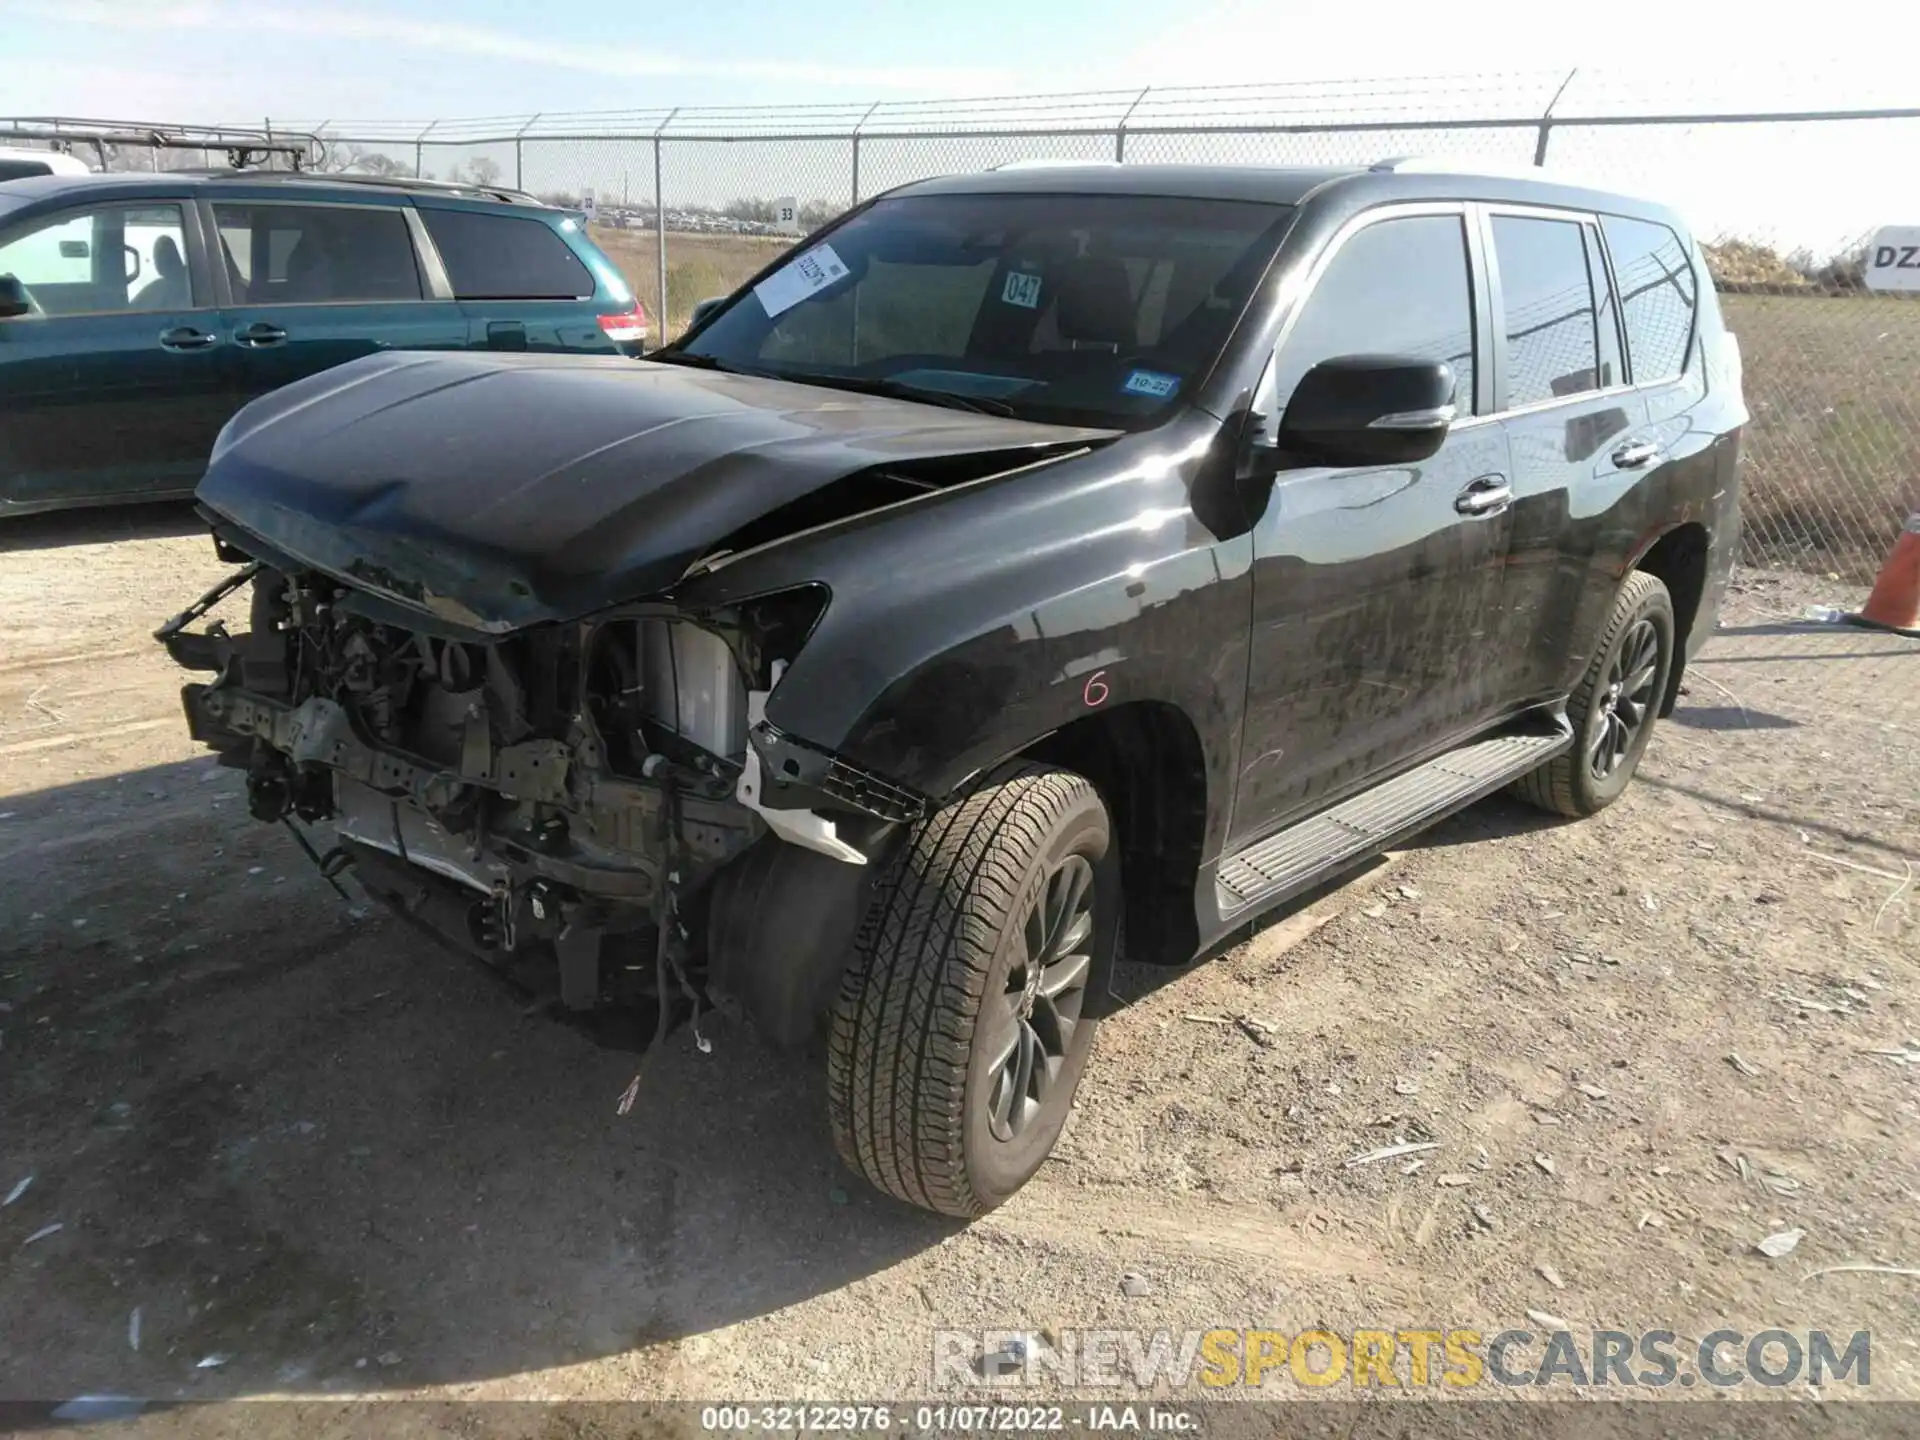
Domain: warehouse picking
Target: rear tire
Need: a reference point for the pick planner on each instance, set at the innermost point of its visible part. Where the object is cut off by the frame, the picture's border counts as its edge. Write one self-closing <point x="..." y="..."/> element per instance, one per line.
<point x="1614" y="706"/>
<point x="968" y="1012"/>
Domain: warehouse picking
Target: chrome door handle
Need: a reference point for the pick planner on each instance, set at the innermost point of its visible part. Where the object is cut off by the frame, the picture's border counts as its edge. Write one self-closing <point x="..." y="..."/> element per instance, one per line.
<point x="1487" y="495"/>
<point x="185" y="337"/>
<point x="1636" y="455"/>
<point x="259" y="333"/>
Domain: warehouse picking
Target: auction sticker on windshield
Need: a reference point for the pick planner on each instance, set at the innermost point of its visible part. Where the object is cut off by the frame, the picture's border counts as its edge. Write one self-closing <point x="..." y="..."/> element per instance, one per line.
<point x="1022" y="289"/>
<point x="807" y="275"/>
<point x="1152" y="384"/>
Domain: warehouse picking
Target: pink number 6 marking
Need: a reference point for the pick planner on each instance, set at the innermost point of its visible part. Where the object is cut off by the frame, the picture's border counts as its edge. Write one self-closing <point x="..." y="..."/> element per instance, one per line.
<point x="1096" y="691"/>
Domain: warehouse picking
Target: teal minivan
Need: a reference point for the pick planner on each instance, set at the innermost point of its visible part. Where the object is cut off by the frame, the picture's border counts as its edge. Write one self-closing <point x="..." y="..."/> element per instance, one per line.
<point x="138" y="312"/>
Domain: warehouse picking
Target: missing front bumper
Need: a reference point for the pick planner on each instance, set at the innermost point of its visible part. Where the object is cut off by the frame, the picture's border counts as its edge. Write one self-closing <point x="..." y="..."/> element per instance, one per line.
<point x="520" y="814"/>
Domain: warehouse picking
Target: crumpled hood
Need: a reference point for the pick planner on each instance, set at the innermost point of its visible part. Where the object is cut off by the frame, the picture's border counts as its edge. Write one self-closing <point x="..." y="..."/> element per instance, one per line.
<point x="495" y="491"/>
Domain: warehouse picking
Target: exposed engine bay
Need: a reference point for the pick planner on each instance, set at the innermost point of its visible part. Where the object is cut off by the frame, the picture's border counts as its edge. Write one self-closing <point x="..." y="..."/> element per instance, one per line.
<point x="556" y="801"/>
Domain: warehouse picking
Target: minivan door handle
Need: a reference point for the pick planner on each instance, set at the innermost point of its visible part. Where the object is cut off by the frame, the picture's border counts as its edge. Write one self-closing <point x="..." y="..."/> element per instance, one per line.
<point x="185" y="337"/>
<point x="1484" y="495"/>
<point x="259" y="333"/>
<point x="1636" y="455"/>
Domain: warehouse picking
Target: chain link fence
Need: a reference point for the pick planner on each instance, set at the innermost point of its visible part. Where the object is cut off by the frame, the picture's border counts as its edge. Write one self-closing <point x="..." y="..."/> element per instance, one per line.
<point x="1784" y="201"/>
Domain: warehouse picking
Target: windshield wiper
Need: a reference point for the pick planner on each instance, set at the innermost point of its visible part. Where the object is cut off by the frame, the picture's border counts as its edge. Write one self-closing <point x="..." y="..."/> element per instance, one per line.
<point x="697" y="362"/>
<point x="861" y="384"/>
<point x="903" y="390"/>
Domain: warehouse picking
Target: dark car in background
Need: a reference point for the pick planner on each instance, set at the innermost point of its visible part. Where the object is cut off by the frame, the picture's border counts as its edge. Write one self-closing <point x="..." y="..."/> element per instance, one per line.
<point x="139" y="312"/>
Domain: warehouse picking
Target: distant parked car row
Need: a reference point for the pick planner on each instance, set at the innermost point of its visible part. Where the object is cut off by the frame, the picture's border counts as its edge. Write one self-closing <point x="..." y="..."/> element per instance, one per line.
<point x="690" y="222"/>
<point x="138" y="312"/>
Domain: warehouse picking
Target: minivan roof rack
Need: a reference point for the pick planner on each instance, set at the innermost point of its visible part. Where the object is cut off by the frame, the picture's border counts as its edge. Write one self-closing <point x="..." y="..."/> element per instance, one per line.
<point x="244" y="146"/>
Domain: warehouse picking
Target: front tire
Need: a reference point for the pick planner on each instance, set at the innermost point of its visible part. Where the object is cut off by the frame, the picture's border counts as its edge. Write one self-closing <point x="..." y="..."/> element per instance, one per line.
<point x="967" y="1014"/>
<point x="1614" y="706"/>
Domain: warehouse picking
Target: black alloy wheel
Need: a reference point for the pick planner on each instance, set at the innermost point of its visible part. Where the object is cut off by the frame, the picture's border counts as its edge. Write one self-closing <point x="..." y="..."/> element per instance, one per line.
<point x="1030" y="1028"/>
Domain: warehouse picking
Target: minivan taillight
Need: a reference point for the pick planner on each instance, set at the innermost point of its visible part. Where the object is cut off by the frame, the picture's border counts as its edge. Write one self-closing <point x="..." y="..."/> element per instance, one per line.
<point x="627" y="328"/>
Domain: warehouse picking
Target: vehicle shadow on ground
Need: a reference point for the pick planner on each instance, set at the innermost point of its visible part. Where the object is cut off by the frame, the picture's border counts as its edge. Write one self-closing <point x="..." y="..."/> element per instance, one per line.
<point x="1497" y="817"/>
<point x="1489" y="819"/>
<point x="1729" y="717"/>
<point x="102" y="525"/>
<point x="341" y="1158"/>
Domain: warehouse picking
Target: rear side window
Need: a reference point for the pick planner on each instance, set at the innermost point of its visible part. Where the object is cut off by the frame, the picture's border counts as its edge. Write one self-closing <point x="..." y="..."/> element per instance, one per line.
<point x="316" y="254"/>
<point x="506" y="257"/>
<point x="20" y="169"/>
<point x="1398" y="287"/>
<point x="1658" y="295"/>
<point x="1547" y="309"/>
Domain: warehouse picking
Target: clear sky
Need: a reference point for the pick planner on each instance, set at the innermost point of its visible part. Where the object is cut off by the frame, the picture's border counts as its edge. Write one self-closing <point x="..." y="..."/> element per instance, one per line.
<point x="406" y="59"/>
<point x="391" y="60"/>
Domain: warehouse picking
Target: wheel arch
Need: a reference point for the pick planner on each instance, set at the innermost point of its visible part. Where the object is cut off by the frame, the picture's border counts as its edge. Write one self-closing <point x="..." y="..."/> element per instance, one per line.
<point x="1678" y="559"/>
<point x="1146" y="760"/>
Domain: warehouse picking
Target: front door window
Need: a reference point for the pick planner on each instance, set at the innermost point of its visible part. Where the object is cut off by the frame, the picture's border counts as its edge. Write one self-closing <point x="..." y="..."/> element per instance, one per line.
<point x="110" y="259"/>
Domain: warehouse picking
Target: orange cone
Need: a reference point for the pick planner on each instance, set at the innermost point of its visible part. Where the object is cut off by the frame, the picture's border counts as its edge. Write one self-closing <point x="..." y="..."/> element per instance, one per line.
<point x="1895" y="602"/>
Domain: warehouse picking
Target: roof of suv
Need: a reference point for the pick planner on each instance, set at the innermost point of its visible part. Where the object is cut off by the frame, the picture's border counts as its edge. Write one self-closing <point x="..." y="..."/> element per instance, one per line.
<point x="145" y="182"/>
<point x="1385" y="181"/>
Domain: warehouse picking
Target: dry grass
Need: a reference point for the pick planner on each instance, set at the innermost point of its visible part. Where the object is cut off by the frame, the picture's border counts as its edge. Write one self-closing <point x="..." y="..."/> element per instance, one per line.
<point x="697" y="266"/>
<point x="1833" y="453"/>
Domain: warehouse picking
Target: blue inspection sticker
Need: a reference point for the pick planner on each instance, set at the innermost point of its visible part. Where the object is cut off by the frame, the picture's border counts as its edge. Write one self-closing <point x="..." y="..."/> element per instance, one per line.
<point x="1151" y="383"/>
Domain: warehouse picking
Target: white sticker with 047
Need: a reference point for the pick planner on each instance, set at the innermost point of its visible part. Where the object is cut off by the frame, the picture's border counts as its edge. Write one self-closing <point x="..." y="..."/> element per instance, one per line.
<point x="1021" y="289"/>
<point x="805" y="275"/>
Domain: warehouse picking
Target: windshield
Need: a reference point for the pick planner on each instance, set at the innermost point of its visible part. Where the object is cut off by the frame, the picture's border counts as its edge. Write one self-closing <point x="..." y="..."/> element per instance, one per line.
<point x="1091" y="309"/>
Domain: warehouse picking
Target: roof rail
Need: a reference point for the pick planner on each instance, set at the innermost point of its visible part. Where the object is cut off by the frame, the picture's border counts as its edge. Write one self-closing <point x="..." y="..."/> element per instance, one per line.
<point x="1053" y="164"/>
<point x="1456" y="165"/>
<point x="387" y="182"/>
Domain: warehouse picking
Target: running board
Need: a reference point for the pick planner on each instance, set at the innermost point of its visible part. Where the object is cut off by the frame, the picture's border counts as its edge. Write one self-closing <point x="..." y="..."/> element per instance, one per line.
<point x="1316" y="849"/>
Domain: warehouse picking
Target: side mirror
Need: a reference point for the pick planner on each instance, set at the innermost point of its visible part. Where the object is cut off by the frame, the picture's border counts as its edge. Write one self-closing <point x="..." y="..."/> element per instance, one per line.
<point x="1368" y="410"/>
<point x="14" y="300"/>
<point x="705" y="308"/>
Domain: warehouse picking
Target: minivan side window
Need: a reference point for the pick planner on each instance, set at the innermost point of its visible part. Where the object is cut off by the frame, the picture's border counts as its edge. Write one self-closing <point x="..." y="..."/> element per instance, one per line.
<point x="103" y="260"/>
<point x="1397" y="287"/>
<point x="1547" y="309"/>
<point x="505" y="257"/>
<point x="316" y="254"/>
<point x="1657" y="295"/>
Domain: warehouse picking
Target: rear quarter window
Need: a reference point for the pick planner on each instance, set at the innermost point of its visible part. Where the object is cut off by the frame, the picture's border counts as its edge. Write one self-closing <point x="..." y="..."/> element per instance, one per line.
<point x="506" y="257"/>
<point x="1659" y="295"/>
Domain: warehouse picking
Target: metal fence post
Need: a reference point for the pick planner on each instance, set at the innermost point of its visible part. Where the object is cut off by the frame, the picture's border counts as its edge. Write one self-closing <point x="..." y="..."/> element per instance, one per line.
<point x="1120" y="130"/>
<point x="660" y="223"/>
<point x="1546" y="119"/>
<point x="519" y="169"/>
<point x="856" y="149"/>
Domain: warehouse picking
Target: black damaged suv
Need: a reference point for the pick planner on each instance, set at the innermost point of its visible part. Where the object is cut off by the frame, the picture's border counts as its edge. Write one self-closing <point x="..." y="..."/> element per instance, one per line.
<point x="1026" y="560"/>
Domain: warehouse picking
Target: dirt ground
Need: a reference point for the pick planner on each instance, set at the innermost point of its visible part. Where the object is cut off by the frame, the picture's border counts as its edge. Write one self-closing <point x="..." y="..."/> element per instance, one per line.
<point x="292" y="1139"/>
